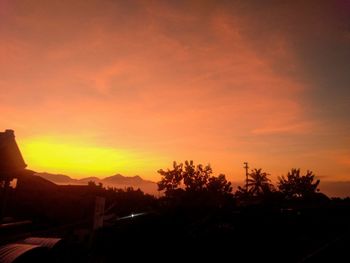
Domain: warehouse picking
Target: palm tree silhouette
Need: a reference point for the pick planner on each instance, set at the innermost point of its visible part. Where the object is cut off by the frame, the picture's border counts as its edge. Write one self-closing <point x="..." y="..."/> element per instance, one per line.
<point x="259" y="183"/>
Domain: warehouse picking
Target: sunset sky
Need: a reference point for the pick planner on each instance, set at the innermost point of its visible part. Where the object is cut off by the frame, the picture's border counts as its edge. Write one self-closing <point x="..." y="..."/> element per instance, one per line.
<point x="94" y="88"/>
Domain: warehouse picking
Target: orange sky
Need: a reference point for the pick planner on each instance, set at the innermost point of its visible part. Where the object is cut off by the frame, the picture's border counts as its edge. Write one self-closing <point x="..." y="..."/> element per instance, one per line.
<point x="94" y="88"/>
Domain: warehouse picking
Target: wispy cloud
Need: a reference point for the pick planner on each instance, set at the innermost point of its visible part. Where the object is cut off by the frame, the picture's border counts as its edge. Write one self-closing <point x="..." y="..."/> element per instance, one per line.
<point x="180" y="79"/>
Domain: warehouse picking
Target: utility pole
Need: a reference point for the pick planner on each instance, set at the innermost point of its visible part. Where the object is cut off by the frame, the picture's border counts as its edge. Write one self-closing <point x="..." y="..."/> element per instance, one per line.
<point x="246" y="175"/>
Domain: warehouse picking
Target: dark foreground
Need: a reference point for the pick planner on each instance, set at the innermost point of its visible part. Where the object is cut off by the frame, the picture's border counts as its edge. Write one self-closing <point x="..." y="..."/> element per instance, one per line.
<point x="193" y="227"/>
<point x="313" y="234"/>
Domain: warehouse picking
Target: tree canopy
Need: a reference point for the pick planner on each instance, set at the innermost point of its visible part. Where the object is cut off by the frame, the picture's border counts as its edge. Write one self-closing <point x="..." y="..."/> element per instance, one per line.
<point x="296" y="186"/>
<point x="258" y="186"/>
<point x="189" y="177"/>
<point x="259" y="183"/>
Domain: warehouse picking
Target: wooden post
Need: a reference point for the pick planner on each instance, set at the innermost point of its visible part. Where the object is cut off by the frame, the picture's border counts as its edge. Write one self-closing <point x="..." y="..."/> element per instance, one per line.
<point x="246" y="175"/>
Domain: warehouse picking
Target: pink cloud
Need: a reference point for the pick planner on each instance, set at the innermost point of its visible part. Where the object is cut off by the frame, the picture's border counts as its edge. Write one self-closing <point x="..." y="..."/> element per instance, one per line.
<point x="178" y="83"/>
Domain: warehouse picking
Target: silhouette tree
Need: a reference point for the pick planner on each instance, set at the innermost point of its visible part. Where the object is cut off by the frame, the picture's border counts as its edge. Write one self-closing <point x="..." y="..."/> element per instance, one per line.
<point x="296" y="186"/>
<point x="92" y="184"/>
<point x="258" y="186"/>
<point x="196" y="177"/>
<point x="171" y="179"/>
<point x="219" y="184"/>
<point x="259" y="183"/>
<point x="242" y="193"/>
<point x="192" y="179"/>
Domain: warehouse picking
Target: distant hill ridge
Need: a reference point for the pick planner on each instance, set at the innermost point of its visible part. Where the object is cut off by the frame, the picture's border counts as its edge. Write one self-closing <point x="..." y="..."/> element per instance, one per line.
<point x="330" y="188"/>
<point x="117" y="180"/>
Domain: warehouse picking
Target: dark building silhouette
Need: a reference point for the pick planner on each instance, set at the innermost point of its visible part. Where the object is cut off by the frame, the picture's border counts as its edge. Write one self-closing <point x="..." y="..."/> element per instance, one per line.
<point x="11" y="160"/>
<point x="12" y="165"/>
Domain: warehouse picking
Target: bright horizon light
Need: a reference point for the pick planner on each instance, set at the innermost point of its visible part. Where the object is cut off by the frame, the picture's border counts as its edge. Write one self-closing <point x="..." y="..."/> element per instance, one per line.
<point x="79" y="159"/>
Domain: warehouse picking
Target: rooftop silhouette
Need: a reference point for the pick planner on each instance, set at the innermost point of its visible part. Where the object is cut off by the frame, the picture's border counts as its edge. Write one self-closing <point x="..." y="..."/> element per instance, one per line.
<point x="11" y="160"/>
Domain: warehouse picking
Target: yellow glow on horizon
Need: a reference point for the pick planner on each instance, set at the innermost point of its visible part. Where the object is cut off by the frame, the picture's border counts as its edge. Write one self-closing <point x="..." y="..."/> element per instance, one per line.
<point x="78" y="159"/>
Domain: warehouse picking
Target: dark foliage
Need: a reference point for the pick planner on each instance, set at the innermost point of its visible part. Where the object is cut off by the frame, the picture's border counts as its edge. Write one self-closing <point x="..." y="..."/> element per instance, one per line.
<point x="192" y="178"/>
<point x="296" y="186"/>
<point x="189" y="185"/>
<point x="258" y="189"/>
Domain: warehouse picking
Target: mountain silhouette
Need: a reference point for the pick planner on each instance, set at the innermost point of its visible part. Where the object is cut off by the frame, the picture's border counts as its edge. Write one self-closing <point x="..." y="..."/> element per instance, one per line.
<point x="117" y="180"/>
<point x="88" y="179"/>
<point x="330" y="188"/>
<point x="56" y="178"/>
<point x="120" y="179"/>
